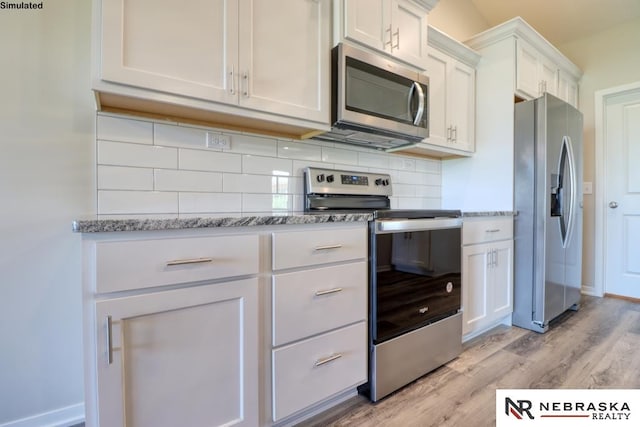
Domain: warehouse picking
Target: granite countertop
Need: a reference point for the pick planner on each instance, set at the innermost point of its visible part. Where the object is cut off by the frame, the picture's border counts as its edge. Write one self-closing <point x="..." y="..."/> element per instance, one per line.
<point x="487" y="213"/>
<point x="110" y="225"/>
<point x="132" y="224"/>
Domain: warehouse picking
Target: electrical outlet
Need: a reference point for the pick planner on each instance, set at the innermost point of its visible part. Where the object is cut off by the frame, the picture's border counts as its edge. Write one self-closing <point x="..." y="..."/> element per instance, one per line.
<point x="216" y="140"/>
<point x="587" y="188"/>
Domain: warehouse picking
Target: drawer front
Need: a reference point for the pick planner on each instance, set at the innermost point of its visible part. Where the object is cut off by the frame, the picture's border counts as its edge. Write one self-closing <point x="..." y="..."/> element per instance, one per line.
<point x="310" y="371"/>
<point x="137" y="264"/>
<point x="486" y="230"/>
<point x="313" y="301"/>
<point x="305" y="248"/>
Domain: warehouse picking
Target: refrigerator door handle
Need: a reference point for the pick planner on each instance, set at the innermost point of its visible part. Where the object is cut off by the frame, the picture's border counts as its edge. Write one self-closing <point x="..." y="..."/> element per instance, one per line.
<point x="570" y="210"/>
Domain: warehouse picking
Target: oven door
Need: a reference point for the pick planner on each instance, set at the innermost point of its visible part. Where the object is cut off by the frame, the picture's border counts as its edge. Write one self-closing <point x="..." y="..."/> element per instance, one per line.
<point x="415" y="274"/>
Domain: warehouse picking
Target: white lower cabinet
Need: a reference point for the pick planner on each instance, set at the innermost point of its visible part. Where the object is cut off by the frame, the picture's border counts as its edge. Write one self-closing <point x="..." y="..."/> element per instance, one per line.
<point x="487" y="273"/>
<point x="309" y="371"/>
<point x="171" y="330"/>
<point x="223" y="328"/>
<point x="319" y="317"/>
<point x="181" y="357"/>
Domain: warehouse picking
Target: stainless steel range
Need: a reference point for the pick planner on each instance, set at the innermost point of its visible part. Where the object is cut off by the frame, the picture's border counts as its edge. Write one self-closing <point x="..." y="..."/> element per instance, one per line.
<point x="415" y="323"/>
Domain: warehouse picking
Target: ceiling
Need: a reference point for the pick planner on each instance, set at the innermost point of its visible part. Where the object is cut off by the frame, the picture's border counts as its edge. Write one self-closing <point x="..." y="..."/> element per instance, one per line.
<point x="561" y="21"/>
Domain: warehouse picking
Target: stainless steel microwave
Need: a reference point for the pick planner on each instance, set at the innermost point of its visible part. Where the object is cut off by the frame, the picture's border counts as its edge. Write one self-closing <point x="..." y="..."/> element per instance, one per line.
<point x="376" y="102"/>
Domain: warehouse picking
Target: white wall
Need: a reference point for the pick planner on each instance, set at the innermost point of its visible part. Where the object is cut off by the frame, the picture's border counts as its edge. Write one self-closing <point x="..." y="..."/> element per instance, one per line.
<point x="46" y="169"/>
<point x="458" y="18"/>
<point x="160" y="169"/>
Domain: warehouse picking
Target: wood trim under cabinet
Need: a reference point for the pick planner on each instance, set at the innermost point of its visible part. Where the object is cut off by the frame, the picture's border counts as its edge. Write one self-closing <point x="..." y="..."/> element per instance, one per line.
<point x="122" y="104"/>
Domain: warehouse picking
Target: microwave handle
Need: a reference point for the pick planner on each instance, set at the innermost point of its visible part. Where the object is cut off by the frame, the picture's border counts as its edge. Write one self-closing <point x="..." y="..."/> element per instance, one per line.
<point x="416" y="87"/>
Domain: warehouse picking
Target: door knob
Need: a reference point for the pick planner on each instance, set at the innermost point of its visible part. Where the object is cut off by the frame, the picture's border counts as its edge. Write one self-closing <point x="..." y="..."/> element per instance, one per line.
<point x="613" y="205"/>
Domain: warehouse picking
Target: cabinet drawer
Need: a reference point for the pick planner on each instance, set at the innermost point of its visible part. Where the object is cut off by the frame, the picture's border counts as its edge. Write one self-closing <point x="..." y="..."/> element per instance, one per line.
<point x="310" y="371"/>
<point x="313" y="301"/>
<point x="303" y="248"/>
<point x="487" y="230"/>
<point x="137" y="264"/>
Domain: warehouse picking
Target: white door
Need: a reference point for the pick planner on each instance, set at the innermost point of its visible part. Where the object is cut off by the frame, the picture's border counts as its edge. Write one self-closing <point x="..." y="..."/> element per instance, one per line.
<point x="621" y="197"/>
<point x="185" y="357"/>
<point x="475" y="286"/>
<point x="502" y="275"/>
<point x="438" y="66"/>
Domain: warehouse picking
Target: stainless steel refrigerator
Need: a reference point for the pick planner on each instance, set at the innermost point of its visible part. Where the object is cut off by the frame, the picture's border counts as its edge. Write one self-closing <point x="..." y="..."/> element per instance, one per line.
<point x="548" y="201"/>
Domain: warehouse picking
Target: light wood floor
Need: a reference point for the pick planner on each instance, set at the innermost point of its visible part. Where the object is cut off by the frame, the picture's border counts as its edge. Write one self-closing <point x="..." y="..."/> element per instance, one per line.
<point x="595" y="347"/>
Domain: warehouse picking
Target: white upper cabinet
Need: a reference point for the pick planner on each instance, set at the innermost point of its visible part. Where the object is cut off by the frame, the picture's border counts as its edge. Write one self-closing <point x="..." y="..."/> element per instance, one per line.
<point x="267" y="61"/>
<point x="535" y="74"/>
<point x="395" y="27"/>
<point x="452" y="89"/>
<point x="538" y="67"/>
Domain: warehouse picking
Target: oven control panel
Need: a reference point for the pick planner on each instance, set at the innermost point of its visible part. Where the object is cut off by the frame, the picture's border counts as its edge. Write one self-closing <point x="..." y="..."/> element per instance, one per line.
<point x="330" y="181"/>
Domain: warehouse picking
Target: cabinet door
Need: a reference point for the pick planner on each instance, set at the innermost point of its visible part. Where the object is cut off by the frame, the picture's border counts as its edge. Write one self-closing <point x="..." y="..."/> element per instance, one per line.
<point x="368" y="22"/>
<point x="285" y="57"/>
<point x="567" y="88"/>
<point x="548" y="76"/>
<point x="180" y="357"/>
<point x="475" y="287"/>
<point x="409" y="33"/>
<point x="527" y="80"/>
<point x="462" y="106"/>
<point x="439" y="127"/>
<point x="502" y="279"/>
<point x="187" y="48"/>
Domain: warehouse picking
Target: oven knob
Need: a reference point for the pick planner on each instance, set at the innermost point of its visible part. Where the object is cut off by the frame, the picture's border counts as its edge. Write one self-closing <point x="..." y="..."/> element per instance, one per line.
<point x="329" y="178"/>
<point x="320" y="177"/>
<point x="379" y="181"/>
<point x="385" y="182"/>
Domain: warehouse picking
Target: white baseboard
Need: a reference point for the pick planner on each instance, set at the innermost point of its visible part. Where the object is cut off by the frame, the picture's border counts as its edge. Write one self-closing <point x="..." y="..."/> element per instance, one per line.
<point x="63" y="417"/>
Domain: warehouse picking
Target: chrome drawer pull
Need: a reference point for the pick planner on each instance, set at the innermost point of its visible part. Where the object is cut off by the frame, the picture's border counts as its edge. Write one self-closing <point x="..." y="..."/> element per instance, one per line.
<point x="189" y="261"/>
<point x="494" y="230"/>
<point x="324" y="248"/>
<point x="328" y="291"/>
<point x="326" y="360"/>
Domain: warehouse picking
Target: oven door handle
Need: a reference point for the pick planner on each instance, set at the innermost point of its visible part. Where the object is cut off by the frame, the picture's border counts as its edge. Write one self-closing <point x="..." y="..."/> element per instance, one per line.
<point x="399" y="225"/>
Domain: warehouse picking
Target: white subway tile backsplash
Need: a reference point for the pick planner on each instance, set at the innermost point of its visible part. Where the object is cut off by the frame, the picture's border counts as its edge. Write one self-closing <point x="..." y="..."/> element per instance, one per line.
<point x="124" y="178"/>
<point x="373" y="160"/>
<point x="125" y="154"/>
<point x="214" y="161"/>
<point x="266" y="165"/>
<point x="153" y="169"/>
<point x="243" y="183"/>
<point x="339" y="156"/>
<point x="125" y="130"/>
<point x="266" y="202"/>
<point x="404" y="190"/>
<point x="137" y="202"/>
<point x="431" y="191"/>
<point x="180" y="180"/>
<point x="210" y="202"/>
<point x="428" y="166"/>
<point x="299" y="150"/>
<point x="402" y="163"/>
<point x="258" y="146"/>
<point x="300" y="165"/>
<point x="179" y="136"/>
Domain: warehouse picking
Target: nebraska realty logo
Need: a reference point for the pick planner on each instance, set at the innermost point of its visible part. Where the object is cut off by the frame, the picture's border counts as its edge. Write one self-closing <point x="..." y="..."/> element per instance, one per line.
<point x="567" y="407"/>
